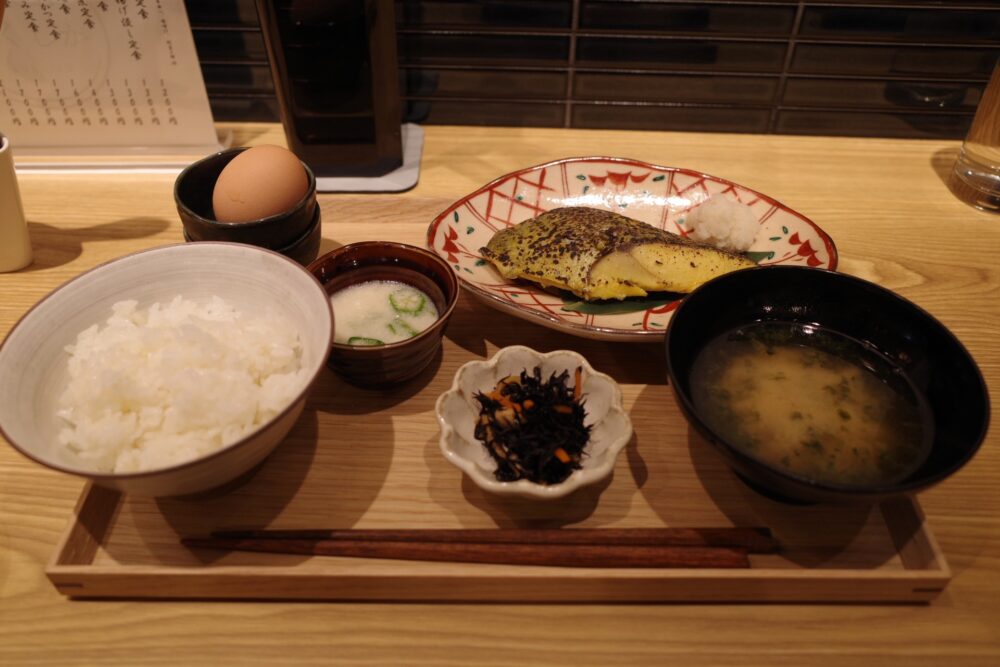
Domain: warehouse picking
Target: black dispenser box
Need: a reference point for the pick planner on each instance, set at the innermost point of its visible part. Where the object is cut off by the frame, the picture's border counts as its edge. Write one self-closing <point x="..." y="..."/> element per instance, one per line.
<point x="337" y="79"/>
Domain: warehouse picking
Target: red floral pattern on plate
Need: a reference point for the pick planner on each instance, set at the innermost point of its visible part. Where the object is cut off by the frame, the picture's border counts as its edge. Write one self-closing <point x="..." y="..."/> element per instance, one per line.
<point x="660" y="196"/>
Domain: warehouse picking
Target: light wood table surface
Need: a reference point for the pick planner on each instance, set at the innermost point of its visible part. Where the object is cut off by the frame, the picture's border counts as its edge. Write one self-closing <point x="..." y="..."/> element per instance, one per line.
<point x="885" y="204"/>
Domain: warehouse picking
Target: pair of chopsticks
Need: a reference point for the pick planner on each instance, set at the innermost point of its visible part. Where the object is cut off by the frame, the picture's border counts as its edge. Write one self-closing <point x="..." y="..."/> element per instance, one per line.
<point x="571" y="547"/>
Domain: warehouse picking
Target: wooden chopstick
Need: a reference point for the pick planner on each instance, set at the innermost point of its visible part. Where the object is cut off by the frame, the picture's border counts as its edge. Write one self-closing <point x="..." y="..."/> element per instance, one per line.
<point x="562" y="555"/>
<point x="579" y="547"/>
<point x="754" y="540"/>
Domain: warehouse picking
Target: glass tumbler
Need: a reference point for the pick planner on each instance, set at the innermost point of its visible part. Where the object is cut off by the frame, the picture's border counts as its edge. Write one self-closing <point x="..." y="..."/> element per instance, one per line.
<point x="975" y="178"/>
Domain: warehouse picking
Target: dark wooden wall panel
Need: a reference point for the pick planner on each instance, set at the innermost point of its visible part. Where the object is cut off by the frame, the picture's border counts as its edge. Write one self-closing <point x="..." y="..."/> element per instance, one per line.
<point x="901" y="68"/>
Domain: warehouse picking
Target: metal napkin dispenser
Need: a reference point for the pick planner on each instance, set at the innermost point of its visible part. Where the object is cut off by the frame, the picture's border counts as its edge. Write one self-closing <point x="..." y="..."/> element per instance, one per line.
<point x="337" y="80"/>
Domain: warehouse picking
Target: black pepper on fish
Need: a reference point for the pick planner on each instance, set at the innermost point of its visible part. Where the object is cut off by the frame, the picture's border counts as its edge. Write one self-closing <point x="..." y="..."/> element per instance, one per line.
<point x="597" y="254"/>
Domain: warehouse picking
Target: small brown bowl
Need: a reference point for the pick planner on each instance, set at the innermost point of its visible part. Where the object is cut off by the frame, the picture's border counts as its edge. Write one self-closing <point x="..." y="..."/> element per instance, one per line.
<point x="284" y="232"/>
<point x="392" y="363"/>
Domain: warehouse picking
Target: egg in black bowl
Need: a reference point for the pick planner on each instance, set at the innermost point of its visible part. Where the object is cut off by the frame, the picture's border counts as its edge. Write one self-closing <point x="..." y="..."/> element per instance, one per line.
<point x="817" y="386"/>
<point x="262" y="195"/>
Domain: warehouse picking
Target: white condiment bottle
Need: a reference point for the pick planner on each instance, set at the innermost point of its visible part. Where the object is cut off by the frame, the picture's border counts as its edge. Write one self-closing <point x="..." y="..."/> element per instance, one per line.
<point x="15" y="246"/>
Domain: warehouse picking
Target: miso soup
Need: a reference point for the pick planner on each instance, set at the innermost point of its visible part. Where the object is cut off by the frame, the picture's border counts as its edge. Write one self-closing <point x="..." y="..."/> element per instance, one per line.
<point x="815" y="403"/>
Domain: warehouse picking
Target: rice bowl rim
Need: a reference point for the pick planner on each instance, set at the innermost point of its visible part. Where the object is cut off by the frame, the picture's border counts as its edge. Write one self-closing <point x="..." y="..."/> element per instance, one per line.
<point x="174" y="247"/>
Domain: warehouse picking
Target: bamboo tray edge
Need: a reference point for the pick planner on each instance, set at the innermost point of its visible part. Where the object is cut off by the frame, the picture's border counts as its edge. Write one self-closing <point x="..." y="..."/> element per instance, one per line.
<point x="74" y="572"/>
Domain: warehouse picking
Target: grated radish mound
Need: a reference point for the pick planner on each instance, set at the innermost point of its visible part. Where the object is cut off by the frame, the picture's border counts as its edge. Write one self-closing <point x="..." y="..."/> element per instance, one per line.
<point x="724" y="223"/>
<point x="157" y="387"/>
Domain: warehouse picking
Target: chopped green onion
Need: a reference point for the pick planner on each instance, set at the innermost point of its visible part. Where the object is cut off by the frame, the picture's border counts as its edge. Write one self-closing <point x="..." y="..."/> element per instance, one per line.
<point x="361" y="340"/>
<point x="407" y="329"/>
<point x="407" y="300"/>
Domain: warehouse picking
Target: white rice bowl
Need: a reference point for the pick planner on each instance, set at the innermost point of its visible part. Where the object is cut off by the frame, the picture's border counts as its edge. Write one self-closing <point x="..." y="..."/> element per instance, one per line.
<point x="723" y="222"/>
<point x="35" y="376"/>
<point x="158" y="386"/>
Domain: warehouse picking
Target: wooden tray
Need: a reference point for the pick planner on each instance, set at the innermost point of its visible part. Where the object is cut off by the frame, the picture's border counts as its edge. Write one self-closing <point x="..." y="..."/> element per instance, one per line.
<point x="370" y="459"/>
<point x="893" y="558"/>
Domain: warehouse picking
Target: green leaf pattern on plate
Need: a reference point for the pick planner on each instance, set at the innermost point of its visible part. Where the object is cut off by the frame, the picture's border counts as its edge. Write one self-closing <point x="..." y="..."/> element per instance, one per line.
<point x="759" y="256"/>
<point x="612" y="307"/>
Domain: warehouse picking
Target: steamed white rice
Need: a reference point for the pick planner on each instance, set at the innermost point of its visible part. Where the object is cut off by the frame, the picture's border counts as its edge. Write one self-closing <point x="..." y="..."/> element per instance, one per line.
<point x="160" y="386"/>
<point x="723" y="222"/>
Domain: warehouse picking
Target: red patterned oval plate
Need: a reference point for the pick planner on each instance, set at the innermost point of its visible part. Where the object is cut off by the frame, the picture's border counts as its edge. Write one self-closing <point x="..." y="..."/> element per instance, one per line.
<point x="660" y="196"/>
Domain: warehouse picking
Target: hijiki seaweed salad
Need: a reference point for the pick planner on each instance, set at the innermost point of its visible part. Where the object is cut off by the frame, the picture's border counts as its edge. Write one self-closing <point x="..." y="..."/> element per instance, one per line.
<point x="534" y="429"/>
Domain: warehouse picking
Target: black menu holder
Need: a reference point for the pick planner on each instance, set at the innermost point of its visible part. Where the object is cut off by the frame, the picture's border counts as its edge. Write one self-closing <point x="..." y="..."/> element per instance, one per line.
<point x="336" y="75"/>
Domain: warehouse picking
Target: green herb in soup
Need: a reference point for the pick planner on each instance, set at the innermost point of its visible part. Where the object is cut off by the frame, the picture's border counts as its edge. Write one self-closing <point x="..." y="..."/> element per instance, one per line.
<point x="815" y="403"/>
<point x="379" y="312"/>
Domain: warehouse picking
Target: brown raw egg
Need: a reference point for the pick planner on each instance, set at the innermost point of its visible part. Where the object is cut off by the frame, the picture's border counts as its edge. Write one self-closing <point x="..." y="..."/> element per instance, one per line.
<point x="259" y="182"/>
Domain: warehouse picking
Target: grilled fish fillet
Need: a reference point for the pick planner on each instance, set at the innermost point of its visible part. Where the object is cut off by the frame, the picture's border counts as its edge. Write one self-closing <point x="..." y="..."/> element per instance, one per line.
<point x="598" y="254"/>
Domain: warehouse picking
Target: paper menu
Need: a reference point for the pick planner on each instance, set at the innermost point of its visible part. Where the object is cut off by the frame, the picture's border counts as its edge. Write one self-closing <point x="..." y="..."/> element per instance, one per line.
<point x="102" y="77"/>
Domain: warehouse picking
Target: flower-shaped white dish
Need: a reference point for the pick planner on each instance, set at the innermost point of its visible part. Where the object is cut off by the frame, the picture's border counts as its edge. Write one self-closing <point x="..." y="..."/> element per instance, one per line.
<point x="458" y="411"/>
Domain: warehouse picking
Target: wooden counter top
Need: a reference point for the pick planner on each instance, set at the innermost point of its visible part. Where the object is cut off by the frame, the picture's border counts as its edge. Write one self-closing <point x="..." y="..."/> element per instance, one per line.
<point x="885" y="204"/>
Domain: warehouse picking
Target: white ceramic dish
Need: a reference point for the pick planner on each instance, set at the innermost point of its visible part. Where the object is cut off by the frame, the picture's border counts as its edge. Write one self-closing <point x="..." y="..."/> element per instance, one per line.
<point x="33" y="359"/>
<point x="660" y="196"/>
<point x="457" y="412"/>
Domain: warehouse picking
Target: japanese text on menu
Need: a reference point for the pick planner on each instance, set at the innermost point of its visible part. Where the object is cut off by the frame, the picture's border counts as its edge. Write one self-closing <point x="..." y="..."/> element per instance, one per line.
<point x="101" y="72"/>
